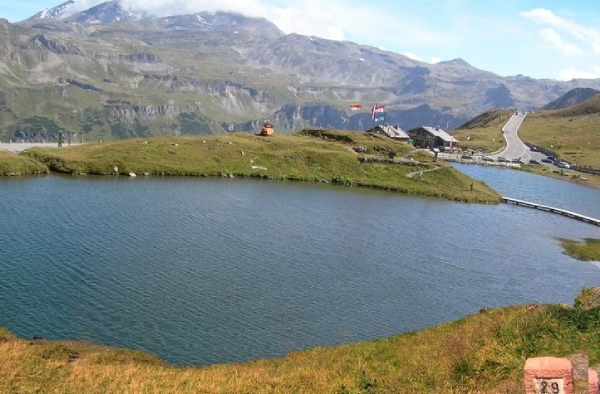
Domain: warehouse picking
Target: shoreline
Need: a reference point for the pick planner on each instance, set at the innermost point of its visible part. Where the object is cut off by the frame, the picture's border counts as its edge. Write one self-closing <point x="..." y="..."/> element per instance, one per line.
<point x="21" y="146"/>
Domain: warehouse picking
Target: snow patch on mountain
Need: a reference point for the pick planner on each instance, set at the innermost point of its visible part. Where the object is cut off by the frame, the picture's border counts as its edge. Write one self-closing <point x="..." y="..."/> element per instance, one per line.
<point x="68" y="9"/>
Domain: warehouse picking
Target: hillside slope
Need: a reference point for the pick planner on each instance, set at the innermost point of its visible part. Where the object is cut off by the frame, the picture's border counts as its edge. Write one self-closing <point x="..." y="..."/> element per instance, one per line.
<point x="571" y="98"/>
<point x="104" y="74"/>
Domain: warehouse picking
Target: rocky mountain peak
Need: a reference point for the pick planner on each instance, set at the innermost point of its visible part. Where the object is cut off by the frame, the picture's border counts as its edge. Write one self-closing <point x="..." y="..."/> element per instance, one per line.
<point x="106" y="12"/>
<point x="57" y="12"/>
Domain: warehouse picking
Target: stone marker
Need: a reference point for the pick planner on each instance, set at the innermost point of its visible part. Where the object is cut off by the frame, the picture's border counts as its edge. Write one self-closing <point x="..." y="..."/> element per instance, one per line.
<point x="593" y="383"/>
<point x="549" y="375"/>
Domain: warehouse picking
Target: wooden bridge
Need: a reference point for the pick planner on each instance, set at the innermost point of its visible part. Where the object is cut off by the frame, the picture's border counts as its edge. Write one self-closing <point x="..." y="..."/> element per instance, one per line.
<point x="559" y="211"/>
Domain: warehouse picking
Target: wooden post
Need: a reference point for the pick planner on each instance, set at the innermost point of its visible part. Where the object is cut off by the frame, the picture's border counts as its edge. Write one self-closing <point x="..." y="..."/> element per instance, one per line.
<point x="593" y="383"/>
<point x="549" y="375"/>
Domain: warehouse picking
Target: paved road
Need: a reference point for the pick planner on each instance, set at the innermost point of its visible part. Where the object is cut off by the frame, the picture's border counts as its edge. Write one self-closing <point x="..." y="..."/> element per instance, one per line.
<point x="515" y="148"/>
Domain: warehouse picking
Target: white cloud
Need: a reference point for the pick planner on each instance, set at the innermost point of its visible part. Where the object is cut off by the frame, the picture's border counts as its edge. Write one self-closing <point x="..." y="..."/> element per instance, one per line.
<point x="412" y="56"/>
<point x="546" y="17"/>
<point x="552" y="37"/>
<point x="303" y="17"/>
<point x="435" y="60"/>
<point x="570" y="73"/>
<point x="586" y="37"/>
<point x="332" y="19"/>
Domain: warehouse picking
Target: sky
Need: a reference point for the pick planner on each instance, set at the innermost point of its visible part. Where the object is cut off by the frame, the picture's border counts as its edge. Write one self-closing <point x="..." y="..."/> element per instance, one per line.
<point x="542" y="39"/>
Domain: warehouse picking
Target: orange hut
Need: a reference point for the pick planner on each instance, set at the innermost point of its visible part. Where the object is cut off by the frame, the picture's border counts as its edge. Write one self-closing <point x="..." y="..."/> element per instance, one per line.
<point x="267" y="129"/>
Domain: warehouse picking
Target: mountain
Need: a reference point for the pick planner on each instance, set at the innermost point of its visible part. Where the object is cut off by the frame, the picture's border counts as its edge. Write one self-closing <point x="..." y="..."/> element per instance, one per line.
<point x="107" y="72"/>
<point x="107" y="12"/>
<point x="571" y="98"/>
<point x="585" y="108"/>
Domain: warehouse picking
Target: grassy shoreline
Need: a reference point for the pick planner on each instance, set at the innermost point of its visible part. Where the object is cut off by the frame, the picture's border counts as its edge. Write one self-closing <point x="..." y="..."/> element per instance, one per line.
<point x="484" y="352"/>
<point x="12" y="164"/>
<point x="328" y="156"/>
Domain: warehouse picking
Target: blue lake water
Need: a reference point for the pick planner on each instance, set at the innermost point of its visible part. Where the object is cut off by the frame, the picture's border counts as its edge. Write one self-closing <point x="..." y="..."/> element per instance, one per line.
<point x="202" y="271"/>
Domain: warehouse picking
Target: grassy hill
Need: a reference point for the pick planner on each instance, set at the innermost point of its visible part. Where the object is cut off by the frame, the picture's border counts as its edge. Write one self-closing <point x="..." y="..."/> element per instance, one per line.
<point x="572" y="133"/>
<point x="484" y="132"/>
<point x="315" y="155"/>
<point x="482" y="353"/>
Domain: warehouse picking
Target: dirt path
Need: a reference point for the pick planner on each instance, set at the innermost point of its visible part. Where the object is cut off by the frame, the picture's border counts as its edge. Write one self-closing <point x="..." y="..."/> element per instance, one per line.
<point x="411" y="175"/>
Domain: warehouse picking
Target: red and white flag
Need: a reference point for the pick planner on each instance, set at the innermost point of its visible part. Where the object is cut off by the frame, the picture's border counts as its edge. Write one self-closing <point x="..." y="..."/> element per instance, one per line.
<point x="377" y="108"/>
<point x="355" y="106"/>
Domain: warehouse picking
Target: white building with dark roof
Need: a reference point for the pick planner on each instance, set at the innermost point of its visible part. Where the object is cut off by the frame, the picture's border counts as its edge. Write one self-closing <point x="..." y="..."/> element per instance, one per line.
<point x="394" y="132"/>
<point x="431" y="137"/>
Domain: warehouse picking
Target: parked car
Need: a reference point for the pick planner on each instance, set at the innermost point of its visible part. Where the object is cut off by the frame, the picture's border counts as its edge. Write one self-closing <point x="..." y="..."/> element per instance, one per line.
<point x="562" y="164"/>
<point x="534" y="161"/>
<point x="546" y="160"/>
<point x="466" y="157"/>
<point x="517" y="160"/>
<point x="487" y="158"/>
<point x="502" y="160"/>
<point x="551" y="158"/>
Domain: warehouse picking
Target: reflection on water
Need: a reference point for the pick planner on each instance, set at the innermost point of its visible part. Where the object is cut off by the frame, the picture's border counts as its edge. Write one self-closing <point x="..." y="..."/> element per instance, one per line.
<point x="203" y="271"/>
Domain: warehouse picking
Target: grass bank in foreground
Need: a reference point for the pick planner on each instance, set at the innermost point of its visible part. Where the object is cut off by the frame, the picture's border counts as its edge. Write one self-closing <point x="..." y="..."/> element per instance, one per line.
<point x="482" y="353"/>
<point x="347" y="158"/>
<point x="12" y="164"/>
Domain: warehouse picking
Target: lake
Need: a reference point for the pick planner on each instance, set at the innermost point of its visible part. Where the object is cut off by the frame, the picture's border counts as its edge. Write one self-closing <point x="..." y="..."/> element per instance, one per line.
<point x="203" y="271"/>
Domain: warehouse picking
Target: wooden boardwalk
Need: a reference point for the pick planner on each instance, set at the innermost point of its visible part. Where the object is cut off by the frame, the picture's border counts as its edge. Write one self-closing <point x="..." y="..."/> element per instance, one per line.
<point x="559" y="211"/>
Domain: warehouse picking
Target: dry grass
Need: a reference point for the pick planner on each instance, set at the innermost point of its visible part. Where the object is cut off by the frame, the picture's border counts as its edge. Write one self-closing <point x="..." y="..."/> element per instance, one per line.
<point x="483" y="353"/>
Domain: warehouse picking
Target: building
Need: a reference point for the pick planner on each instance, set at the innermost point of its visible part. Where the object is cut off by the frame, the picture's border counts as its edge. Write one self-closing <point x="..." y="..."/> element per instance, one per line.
<point x="267" y="130"/>
<point x="431" y="137"/>
<point x="394" y="132"/>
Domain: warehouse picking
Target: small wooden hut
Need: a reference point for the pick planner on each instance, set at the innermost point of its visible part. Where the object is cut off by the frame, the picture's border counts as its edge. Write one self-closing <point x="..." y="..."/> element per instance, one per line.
<point x="267" y="129"/>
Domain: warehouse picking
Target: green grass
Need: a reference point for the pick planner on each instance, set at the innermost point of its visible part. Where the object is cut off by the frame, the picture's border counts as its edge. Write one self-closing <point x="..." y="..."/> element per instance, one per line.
<point x="481" y="353"/>
<point x="14" y="164"/>
<point x="310" y="155"/>
<point x="484" y="132"/>
<point x="573" y="137"/>
<point x="587" y="249"/>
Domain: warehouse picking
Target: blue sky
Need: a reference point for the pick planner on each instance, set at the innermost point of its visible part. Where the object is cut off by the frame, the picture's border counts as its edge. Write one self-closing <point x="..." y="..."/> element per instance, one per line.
<point x="536" y="38"/>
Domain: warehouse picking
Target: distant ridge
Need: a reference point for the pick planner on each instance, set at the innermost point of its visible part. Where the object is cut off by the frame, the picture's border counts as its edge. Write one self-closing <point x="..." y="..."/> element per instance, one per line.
<point x="571" y="98"/>
<point x="589" y="106"/>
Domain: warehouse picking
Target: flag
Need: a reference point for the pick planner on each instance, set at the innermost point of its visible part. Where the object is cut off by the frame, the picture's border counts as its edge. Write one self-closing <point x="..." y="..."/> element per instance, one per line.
<point x="380" y="117"/>
<point x="355" y="106"/>
<point x="377" y="108"/>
